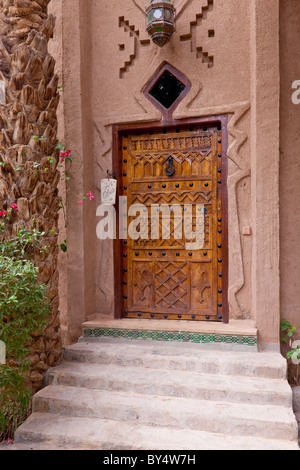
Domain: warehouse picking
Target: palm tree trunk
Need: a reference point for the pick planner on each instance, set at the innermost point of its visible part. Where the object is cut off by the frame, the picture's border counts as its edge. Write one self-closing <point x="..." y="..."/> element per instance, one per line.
<point x="28" y="158"/>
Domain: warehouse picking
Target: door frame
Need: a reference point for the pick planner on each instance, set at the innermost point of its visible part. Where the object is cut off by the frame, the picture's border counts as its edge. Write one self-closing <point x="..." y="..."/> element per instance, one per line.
<point x="118" y="131"/>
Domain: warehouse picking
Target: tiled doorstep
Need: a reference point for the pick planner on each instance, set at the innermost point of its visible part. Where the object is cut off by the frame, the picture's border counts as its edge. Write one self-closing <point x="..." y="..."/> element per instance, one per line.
<point x="235" y="334"/>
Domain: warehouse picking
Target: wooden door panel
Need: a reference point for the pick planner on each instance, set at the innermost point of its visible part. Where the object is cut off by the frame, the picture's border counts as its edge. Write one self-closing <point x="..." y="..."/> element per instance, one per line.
<point x="141" y="286"/>
<point x="161" y="278"/>
<point x="172" y="291"/>
<point x="201" y="288"/>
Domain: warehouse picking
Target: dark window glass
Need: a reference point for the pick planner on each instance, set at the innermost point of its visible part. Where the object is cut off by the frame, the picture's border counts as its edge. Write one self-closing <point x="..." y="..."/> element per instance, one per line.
<point x="167" y="89"/>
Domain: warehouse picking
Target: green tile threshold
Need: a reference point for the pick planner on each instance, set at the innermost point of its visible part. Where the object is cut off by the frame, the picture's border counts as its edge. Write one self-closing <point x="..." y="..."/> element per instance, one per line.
<point x="237" y="334"/>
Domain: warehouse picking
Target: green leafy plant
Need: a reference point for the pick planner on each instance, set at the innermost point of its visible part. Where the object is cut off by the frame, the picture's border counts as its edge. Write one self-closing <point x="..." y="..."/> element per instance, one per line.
<point x="23" y="245"/>
<point x="24" y="308"/>
<point x="24" y="311"/>
<point x="288" y="337"/>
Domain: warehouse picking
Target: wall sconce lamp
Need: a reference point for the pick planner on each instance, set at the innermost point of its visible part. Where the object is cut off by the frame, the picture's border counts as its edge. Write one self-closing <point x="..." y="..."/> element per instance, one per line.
<point x="160" y="21"/>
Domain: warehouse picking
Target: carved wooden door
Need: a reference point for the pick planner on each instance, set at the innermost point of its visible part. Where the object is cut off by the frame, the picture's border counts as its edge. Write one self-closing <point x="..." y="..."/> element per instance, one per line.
<point x="162" y="277"/>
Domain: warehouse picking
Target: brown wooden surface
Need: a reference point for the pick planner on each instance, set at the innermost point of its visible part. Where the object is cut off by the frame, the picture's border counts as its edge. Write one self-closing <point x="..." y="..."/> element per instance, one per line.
<point x="163" y="285"/>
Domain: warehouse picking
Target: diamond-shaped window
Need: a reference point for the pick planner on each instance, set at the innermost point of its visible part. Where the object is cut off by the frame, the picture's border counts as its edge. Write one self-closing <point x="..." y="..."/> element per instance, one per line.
<point x="167" y="89"/>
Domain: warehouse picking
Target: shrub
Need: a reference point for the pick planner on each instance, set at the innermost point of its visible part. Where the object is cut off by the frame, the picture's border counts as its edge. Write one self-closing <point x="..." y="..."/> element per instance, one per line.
<point x="24" y="310"/>
<point x="292" y="350"/>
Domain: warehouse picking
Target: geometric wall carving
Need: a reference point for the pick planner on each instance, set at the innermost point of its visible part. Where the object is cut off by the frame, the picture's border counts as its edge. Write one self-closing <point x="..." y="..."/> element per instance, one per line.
<point x="192" y="36"/>
<point x="132" y="42"/>
<point x="135" y="38"/>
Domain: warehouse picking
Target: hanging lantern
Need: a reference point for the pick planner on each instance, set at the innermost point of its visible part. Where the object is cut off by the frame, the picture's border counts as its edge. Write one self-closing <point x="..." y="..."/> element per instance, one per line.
<point x="160" y="21"/>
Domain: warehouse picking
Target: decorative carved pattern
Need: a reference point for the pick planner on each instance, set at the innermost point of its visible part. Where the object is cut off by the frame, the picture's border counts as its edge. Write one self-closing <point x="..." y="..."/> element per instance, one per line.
<point x="242" y="171"/>
<point x="168" y="240"/>
<point x="141" y="275"/>
<point x="150" y="156"/>
<point x="171" y="289"/>
<point x="135" y="43"/>
<point x="181" y="198"/>
<point x="201" y="141"/>
<point x="163" y="278"/>
<point x="191" y="36"/>
<point x="201" y="284"/>
<point x="135" y="39"/>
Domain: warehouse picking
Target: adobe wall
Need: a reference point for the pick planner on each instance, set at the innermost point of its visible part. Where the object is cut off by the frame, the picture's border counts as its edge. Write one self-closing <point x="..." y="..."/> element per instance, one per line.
<point x="229" y="50"/>
<point x="56" y="49"/>
<point x="289" y="163"/>
<point x="220" y="84"/>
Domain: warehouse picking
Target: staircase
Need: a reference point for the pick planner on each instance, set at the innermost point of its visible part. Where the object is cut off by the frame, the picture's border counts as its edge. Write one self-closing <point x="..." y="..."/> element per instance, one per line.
<point x="118" y="394"/>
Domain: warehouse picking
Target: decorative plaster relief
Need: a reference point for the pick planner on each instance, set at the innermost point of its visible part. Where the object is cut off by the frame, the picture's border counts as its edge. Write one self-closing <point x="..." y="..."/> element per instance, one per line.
<point x="130" y="47"/>
<point x="135" y="38"/>
<point x="193" y="37"/>
<point x="237" y="274"/>
<point x="241" y="170"/>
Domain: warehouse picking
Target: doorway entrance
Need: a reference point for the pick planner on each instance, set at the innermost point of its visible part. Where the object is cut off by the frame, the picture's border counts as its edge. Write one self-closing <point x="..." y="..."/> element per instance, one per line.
<point x="172" y="263"/>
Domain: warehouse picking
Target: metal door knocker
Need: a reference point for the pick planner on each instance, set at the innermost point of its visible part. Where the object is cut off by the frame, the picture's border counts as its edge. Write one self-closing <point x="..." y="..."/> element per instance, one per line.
<point x="170" y="170"/>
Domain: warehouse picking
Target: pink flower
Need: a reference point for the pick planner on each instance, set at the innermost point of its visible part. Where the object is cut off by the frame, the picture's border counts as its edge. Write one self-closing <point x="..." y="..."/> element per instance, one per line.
<point x="92" y="198"/>
<point x="80" y="203"/>
<point x="4" y="212"/>
<point x="90" y="195"/>
<point x="65" y="155"/>
<point x="10" y="441"/>
<point x="14" y="206"/>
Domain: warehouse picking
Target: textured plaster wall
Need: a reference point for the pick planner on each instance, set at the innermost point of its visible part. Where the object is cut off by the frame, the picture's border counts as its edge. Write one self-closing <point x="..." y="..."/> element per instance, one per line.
<point x="265" y="93"/>
<point x="289" y="163"/>
<point x="56" y="49"/>
<point x="212" y="49"/>
<point x="229" y="50"/>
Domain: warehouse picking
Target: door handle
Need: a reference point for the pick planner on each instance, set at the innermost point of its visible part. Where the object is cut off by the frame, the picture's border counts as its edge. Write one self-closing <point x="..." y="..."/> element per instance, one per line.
<point x="170" y="170"/>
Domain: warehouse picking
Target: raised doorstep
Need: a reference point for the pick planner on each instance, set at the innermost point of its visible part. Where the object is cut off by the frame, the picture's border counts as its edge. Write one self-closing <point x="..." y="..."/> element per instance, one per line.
<point x="238" y="334"/>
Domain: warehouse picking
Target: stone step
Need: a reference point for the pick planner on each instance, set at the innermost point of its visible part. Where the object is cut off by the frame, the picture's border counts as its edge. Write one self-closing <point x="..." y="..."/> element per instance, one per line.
<point x="173" y="383"/>
<point x="67" y="433"/>
<point x="34" y="445"/>
<point x="116" y="394"/>
<point x="177" y="356"/>
<point x="267" y="421"/>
